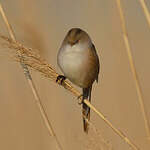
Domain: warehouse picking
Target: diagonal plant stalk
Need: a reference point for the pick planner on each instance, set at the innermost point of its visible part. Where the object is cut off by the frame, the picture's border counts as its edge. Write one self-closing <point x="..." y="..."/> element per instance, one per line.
<point x="36" y="62"/>
<point x="30" y="82"/>
<point x="132" y="66"/>
<point x="146" y="12"/>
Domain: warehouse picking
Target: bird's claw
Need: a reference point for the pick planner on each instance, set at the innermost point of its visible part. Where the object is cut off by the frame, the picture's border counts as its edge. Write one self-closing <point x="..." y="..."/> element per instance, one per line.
<point x="60" y="79"/>
<point x="80" y="99"/>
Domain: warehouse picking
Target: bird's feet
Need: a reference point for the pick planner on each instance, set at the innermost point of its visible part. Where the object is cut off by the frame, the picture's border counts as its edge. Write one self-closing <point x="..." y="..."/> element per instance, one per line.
<point x="80" y="99"/>
<point x="60" y="79"/>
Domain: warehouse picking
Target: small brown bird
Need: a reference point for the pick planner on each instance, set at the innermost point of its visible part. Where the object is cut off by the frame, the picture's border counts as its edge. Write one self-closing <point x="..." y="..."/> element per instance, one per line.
<point x="78" y="60"/>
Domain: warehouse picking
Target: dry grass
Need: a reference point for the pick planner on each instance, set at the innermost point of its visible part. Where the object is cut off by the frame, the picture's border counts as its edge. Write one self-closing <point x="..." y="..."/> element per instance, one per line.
<point x="96" y="140"/>
<point x="133" y="69"/>
<point x="30" y="81"/>
<point x="35" y="61"/>
<point x="146" y="12"/>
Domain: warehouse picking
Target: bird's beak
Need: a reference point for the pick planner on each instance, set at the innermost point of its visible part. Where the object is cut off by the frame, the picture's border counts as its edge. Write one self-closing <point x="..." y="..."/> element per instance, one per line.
<point x="72" y="42"/>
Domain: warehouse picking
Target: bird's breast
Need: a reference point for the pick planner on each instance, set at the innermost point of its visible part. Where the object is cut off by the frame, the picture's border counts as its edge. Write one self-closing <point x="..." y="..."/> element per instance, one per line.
<point x="72" y="62"/>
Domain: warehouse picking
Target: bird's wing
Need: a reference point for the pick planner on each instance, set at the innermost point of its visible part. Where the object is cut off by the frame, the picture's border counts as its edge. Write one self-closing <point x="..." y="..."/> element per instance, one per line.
<point x="96" y="61"/>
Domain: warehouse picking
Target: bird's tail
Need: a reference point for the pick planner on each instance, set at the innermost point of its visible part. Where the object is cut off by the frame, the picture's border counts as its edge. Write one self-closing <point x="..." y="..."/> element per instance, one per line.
<point x="86" y="109"/>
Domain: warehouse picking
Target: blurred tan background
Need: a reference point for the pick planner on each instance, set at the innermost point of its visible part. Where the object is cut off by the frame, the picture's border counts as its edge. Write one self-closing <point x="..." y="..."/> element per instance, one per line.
<point x="42" y="25"/>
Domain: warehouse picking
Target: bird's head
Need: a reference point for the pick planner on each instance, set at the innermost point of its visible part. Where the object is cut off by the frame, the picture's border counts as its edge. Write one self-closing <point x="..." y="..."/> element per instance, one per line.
<point x="76" y="35"/>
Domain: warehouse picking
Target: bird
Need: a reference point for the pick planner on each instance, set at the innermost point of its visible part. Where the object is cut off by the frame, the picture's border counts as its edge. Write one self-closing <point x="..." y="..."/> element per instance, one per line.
<point x="78" y="60"/>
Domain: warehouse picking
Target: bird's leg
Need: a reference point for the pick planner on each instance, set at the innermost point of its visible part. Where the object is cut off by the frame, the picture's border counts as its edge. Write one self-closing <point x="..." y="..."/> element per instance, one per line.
<point x="61" y="79"/>
<point x="80" y="99"/>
